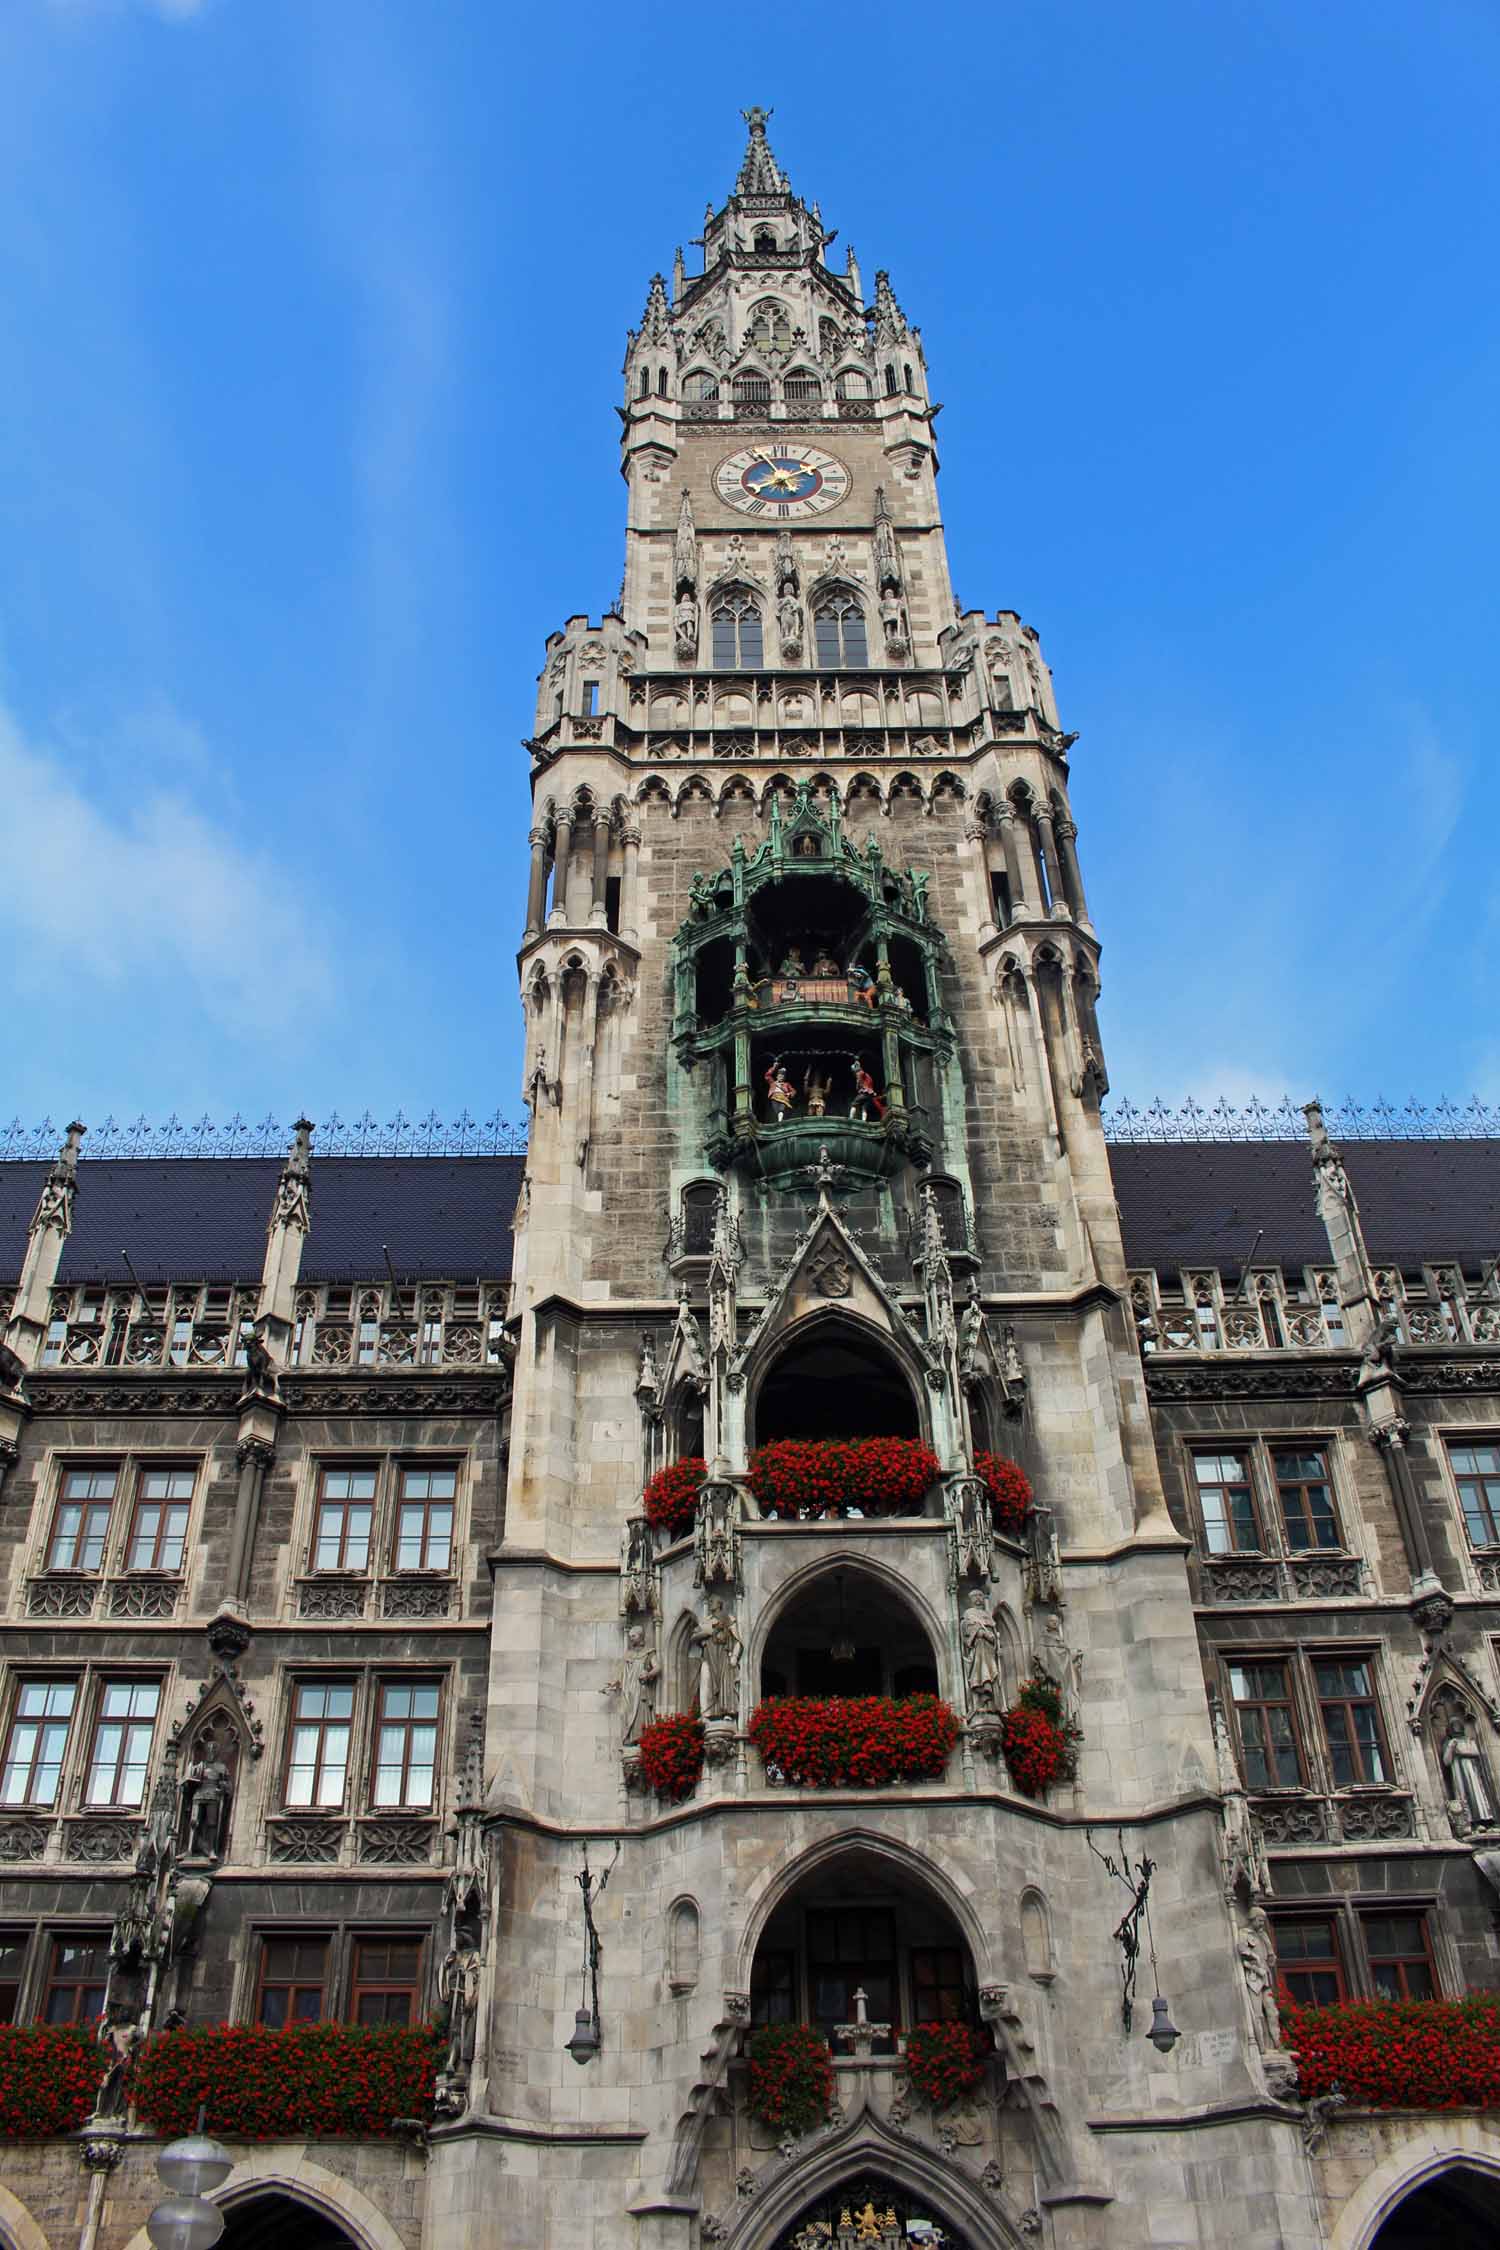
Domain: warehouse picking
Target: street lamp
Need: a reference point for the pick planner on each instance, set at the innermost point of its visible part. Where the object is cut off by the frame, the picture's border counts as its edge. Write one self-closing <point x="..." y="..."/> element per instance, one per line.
<point x="585" y="2042"/>
<point x="188" y="2168"/>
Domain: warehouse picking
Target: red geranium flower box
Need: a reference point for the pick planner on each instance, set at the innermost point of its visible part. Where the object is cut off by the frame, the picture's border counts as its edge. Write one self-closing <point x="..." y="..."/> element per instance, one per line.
<point x="791" y="2077"/>
<point x="809" y="1477"/>
<point x="1009" y="1489"/>
<point x="316" y="2081"/>
<point x="49" y="2074"/>
<point x="671" y="1755"/>
<point x="860" y="1741"/>
<point x="670" y="1499"/>
<point x="1399" y="2054"/>
<point x="944" y="2060"/>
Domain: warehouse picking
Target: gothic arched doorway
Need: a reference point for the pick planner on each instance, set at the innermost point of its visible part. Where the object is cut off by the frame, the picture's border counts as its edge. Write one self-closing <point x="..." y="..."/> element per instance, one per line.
<point x="1460" y="2208"/>
<point x="835" y="1380"/>
<point x="273" y="2221"/>
<point x="870" y="2213"/>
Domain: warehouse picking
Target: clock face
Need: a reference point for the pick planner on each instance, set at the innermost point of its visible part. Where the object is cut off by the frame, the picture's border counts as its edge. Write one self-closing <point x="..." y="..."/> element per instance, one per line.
<point x="784" y="478"/>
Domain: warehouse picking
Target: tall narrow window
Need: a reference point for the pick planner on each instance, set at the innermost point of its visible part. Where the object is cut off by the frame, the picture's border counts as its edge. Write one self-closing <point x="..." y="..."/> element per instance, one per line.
<point x="1310" y="1958"/>
<point x="1227" y="1501"/>
<point x="406" y="1743"/>
<point x="40" y="1724"/>
<point x="77" y="1971"/>
<point x="12" y="1970"/>
<point x="700" y="384"/>
<point x="293" y="1979"/>
<point x="1351" y="1720"/>
<point x="1400" y="1956"/>
<point x="939" y="1991"/>
<point x="346" y="1510"/>
<point x="802" y="388"/>
<point x="839" y="630"/>
<point x="848" y="1951"/>
<point x="773" y="1987"/>
<point x="852" y="383"/>
<point x="1476" y="1471"/>
<point x="385" y="1983"/>
<point x="80" y="1527"/>
<point x="737" y="633"/>
<point x="158" y="1529"/>
<point x="770" y="327"/>
<point x="318" y="1743"/>
<point x="590" y="698"/>
<point x="120" y="1753"/>
<point x="1268" y="1735"/>
<point x="424" y="1519"/>
<point x="1305" y="1490"/>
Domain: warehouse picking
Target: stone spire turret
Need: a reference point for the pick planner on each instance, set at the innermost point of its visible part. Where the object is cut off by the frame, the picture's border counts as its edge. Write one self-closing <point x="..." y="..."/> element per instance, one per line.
<point x="760" y="174"/>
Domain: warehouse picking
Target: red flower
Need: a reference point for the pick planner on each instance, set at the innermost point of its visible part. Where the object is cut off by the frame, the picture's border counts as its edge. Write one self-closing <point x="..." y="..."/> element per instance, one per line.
<point x="1399" y="2054"/>
<point x="327" y="2080"/>
<point x="49" y="2074"/>
<point x="671" y="1497"/>
<point x="809" y="1477"/>
<point x="1039" y="1743"/>
<point x="791" y="2077"/>
<point x="671" y="1754"/>
<point x="944" y="2060"/>
<point x="1010" y="1490"/>
<point x="865" y="1741"/>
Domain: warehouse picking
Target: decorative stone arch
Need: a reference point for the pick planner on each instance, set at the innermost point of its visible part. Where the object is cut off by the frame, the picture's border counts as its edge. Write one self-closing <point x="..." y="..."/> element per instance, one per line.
<point x="680" y="1669"/>
<point x="653" y="791"/>
<point x="906" y="785"/>
<point x="786" y="2188"/>
<point x="949" y="784"/>
<point x="285" y="2168"/>
<point x="739" y="789"/>
<point x="851" y="1567"/>
<point x="885" y="1339"/>
<point x="779" y="785"/>
<point x="19" y="2230"/>
<point x="1430" y="2151"/>
<point x="863" y="789"/>
<point x="694" y="789"/>
<point x="776" y="1883"/>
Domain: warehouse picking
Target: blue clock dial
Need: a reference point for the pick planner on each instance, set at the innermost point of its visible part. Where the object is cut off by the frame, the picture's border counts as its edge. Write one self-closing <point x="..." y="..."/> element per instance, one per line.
<point x="783" y="477"/>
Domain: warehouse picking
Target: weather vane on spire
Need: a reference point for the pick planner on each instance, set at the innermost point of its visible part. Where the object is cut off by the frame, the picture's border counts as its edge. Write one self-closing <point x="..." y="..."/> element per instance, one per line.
<point x="756" y="118"/>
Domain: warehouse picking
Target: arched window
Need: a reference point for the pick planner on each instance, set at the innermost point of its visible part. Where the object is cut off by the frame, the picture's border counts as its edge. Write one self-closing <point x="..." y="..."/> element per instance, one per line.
<point x="765" y="242"/>
<point x="737" y="635"/>
<point x="661" y="382"/>
<point x="839" y="627"/>
<point x="891" y="384"/>
<point x="906" y="372"/>
<point x="701" y="384"/>
<point x="853" y="383"/>
<point x="770" y="327"/>
<point x="830" y="336"/>
<point x="643" y="387"/>
<point x="803" y="387"/>
<point x="752" y="390"/>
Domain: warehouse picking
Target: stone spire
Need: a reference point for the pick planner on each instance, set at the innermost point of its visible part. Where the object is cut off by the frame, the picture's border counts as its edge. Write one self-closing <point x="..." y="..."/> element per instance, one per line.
<point x="760" y="174"/>
<point x="51" y="1224"/>
<point x="656" y="320"/>
<point x="291" y="1217"/>
<point x="890" y="320"/>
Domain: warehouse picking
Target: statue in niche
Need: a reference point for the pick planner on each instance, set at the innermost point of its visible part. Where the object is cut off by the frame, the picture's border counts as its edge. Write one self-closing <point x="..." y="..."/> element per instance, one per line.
<point x="206" y="1791"/>
<point x="719" y="1650"/>
<point x="1466" y="1779"/>
<point x="789" y="625"/>
<point x="638" y="1683"/>
<point x="1257" y="1957"/>
<point x="783" y="1094"/>
<point x="685" y="628"/>
<point x="981" y="1646"/>
<point x="119" y="2035"/>
<point x="893" y="624"/>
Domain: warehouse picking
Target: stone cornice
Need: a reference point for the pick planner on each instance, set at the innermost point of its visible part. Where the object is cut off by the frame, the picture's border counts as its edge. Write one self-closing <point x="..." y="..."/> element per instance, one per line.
<point x="369" y="1390"/>
<point x="1217" y="1376"/>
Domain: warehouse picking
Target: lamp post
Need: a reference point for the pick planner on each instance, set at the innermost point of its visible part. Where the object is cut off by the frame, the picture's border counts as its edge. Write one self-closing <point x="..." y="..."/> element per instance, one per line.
<point x="188" y="2168"/>
<point x="585" y="2042"/>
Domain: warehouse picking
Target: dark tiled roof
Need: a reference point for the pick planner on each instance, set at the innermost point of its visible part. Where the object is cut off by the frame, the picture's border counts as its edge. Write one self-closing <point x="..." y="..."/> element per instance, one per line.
<point x="198" y="1219"/>
<point x="1191" y="1202"/>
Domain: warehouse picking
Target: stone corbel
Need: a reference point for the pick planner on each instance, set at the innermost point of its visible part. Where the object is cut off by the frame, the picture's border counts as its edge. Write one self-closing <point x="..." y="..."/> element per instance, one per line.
<point x="687" y="2146"/>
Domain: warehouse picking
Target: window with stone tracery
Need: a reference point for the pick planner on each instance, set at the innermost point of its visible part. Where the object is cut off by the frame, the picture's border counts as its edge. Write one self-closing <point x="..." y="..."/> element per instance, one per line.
<point x="839" y="631"/>
<point x="769" y="327"/>
<point x="737" y="640"/>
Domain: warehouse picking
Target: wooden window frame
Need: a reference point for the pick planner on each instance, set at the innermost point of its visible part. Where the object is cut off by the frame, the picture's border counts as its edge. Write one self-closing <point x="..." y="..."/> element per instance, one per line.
<point x="112" y="1467"/>
<point x="19" y="1683"/>
<point x="19" y="1935"/>
<point x="140" y="1499"/>
<point x="322" y="1499"/>
<point x="1203" y="1449"/>
<point x="859" y="1971"/>
<point x="415" y="1986"/>
<point x="1421" y="1914"/>
<point x="1302" y="1485"/>
<point x="1349" y="1703"/>
<point x="397" y="1683"/>
<point x="425" y="1506"/>
<point x="1336" y="1962"/>
<point x="55" y="1940"/>
<point x="297" y="1685"/>
<point x="104" y="1682"/>
<point x="1459" y="1441"/>
<point x="1285" y="1661"/>
<point x="264" y="1940"/>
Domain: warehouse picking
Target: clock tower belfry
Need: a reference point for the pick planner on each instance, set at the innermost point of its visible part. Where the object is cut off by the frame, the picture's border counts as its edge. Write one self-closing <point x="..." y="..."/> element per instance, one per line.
<point x="830" y="1451"/>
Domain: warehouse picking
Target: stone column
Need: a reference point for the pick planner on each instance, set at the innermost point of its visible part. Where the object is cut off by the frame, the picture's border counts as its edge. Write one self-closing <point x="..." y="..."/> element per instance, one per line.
<point x="1046" y="849"/>
<point x="562" y="844"/>
<point x="1391" y="1440"/>
<point x="630" y="841"/>
<point x="1021" y="893"/>
<point x="597" y="916"/>
<point x="536" y="894"/>
<point x="254" y="1455"/>
<point x="1072" y="873"/>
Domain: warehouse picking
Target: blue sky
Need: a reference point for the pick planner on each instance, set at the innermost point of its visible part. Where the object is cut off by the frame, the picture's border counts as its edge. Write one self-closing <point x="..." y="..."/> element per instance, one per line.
<point x="315" y="312"/>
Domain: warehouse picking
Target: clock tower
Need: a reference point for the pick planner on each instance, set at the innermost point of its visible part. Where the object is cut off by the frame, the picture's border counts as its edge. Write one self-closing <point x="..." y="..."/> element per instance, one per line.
<point x="837" y="1603"/>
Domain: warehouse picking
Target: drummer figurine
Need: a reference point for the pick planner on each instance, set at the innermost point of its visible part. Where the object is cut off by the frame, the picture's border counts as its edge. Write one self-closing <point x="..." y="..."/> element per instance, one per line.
<point x="861" y="983"/>
<point x="781" y="1090"/>
<point x="865" y="1095"/>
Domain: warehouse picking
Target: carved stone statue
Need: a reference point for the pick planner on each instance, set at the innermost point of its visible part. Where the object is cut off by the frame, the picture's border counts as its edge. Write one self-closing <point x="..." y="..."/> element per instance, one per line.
<point x="1466" y="1778"/>
<point x="716" y="1533"/>
<point x="789" y="626"/>
<point x="1257" y="1955"/>
<point x="209" y="1787"/>
<point x="887" y="557"/>
<point x="55" y="1204"/>
<point x="119" y="2036"/>
<point x="637" y="1567"/>
<point x="893" y="624"/>
<point x="293" y="1190"/>
<point x="638" y="1682"/>
<point x="685" y="628"/>
<point x="981" y="1646"/>
<point x="719" y="1652"/>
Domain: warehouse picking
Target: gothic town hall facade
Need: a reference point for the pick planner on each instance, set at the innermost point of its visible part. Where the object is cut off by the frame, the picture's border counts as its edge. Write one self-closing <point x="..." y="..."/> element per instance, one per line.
<point x="837" y="1630"/>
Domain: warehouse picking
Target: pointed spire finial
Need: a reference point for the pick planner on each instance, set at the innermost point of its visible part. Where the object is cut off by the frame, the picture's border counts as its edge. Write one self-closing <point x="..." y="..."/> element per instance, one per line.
<point x="760" y="174"/>
<point x="55" y="1204"/>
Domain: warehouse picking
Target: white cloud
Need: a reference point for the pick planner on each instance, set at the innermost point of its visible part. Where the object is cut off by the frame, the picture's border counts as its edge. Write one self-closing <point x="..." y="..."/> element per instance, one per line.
<point x="158" y="893"/>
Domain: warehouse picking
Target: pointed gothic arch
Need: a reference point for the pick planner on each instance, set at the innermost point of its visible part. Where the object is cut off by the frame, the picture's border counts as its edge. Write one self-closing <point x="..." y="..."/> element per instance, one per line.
<point x="895" y="1632"/>
<point x="801" y="1387"/>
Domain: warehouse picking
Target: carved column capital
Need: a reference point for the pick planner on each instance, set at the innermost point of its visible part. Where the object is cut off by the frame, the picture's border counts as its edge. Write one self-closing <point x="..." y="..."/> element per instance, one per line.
<point x="257" y="1449"/>
<point x="101" y="2152"/>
